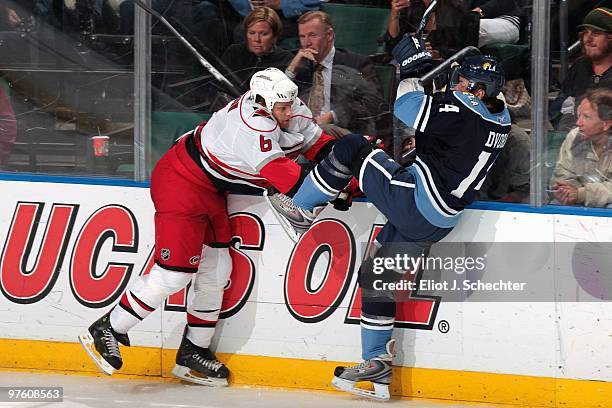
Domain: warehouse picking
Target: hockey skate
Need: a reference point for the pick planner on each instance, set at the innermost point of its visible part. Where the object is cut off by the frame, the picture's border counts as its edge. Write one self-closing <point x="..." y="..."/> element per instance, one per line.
<point x="199" y="365"/>
<point x="294" y="220"/>
<point x="376" y="371"/>
<point x="101" y="342"/>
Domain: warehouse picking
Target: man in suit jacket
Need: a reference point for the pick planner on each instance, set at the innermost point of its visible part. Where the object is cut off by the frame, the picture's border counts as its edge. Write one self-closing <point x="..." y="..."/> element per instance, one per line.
<point x="339" y="86"/>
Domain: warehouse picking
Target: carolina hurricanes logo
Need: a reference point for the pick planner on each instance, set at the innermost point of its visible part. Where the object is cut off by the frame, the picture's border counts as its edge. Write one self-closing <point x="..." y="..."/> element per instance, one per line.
<point x="194" y="260"/>
<point x="262" y="112"/>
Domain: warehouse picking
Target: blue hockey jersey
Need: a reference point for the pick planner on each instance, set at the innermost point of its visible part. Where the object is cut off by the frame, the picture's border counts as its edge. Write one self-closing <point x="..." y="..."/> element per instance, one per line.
<point x="457" y="142"/>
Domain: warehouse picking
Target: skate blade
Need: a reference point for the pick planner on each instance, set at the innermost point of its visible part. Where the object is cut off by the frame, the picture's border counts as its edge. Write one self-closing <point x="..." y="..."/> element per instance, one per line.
<point x="380" y="393"/>
<point x="88" y="344"/>
<point x="185" y="373"/>
<point x="293" y="235"/>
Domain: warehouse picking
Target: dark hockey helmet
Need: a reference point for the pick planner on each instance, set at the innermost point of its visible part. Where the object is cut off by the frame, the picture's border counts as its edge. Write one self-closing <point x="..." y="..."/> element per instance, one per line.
<point x="483" y="71"/>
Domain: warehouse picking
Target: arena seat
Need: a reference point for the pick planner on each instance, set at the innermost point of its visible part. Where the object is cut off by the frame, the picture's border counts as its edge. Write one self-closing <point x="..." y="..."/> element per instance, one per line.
<point x="358" y="28"/>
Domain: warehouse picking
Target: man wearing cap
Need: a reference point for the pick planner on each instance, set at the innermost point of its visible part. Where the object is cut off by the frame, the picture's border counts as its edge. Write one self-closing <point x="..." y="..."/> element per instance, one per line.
<point x="592" y="69"/>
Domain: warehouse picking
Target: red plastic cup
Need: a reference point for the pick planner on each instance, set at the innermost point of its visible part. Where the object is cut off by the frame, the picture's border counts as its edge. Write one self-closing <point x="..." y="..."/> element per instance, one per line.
<point x="100" y="145"/>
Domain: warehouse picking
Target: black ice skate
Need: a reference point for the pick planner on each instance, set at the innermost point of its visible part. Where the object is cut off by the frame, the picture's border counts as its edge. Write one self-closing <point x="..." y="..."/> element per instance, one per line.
<point x="294" y="220"/>
<point x="101" y="342"/>
<point x="377" y="371"/>
<point x="199" y="365"/>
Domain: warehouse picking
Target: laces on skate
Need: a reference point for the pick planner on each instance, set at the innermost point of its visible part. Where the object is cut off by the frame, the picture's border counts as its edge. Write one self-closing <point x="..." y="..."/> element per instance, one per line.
<point x="213" y="365"/>
<point x="111" y="343"/>
<point x="102" y="345"/>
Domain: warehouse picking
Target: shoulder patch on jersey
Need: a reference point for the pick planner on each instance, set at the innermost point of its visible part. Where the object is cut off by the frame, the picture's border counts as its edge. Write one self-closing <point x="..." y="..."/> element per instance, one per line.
<point x="255" y="117"/>
<point x="262" y="112"/>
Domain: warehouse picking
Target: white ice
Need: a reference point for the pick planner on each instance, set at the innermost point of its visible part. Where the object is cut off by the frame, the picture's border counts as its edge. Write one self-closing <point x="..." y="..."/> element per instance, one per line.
<point x="110" y="392"/>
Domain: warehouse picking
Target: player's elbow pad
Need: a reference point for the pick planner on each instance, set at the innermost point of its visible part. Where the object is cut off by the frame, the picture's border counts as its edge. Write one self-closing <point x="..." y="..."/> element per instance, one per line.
<point x="284" y="175"/>
<point x="298" y="183"/>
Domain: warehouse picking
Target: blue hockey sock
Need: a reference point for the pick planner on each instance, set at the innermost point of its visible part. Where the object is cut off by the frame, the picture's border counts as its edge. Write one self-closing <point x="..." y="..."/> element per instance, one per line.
<point x="309" y="196"/>
<point x="374" y="342"/>
<point x="323" y="183"/>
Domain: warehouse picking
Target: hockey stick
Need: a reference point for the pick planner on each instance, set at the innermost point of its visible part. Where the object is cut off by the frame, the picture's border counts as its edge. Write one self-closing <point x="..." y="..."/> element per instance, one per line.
<point x="213" y="71"/>
<point x="459" y="55"/>
<point x="425" y="18"/>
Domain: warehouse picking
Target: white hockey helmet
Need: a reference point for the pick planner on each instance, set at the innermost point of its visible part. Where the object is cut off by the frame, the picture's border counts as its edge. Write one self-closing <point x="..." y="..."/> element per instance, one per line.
<point x="274" y="86"/>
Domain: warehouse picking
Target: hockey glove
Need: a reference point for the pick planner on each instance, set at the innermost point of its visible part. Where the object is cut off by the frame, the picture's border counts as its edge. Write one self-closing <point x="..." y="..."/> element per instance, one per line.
<point x="408" y="155"/>
<point x="345" y="199"/>
<point x="375" y="142"/>
<point x="412" y="57"/>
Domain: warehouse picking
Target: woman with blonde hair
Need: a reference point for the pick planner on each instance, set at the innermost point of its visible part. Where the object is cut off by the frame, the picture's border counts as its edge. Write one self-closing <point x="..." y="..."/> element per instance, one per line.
<point x="263" y="28"/>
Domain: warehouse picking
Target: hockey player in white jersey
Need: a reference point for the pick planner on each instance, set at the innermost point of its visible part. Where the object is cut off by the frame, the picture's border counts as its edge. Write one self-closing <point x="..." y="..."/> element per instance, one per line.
<point x="247" y="146"/>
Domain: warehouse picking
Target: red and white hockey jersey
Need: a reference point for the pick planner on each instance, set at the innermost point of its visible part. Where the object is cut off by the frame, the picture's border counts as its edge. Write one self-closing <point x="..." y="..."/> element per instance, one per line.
<point x="242" y="146"/>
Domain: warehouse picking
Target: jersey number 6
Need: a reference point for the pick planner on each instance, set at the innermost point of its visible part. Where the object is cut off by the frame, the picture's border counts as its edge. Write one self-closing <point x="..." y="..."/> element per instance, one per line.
<point x="265" y="144"/>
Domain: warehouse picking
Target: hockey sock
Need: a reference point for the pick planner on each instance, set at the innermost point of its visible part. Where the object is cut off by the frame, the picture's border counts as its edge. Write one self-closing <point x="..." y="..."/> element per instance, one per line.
<point x="377" y="320"/>
<point x="206" y="295"/>
<point x="374" y="342"/>
<point x="144" y="296"/>
<point x="330" y="176"/>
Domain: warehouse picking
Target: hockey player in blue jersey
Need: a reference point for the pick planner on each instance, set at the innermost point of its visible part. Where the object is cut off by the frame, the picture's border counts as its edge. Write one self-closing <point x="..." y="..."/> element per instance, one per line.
<point x="459" y="134"/>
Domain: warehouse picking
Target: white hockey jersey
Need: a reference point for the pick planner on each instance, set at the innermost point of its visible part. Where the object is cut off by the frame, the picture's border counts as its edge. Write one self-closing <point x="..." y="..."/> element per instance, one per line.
<point x="242" y="138"/>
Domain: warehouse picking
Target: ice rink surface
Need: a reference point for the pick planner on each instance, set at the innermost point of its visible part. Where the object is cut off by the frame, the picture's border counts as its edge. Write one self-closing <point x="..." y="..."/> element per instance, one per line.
<point x="107" y="392"/>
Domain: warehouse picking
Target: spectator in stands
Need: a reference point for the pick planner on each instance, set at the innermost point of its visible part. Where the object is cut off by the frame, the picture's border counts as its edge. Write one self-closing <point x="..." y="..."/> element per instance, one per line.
<point x="405" y="17"/>
<point x="583" y="174"/>
<point x="508" y="179"/>
<point x="214" y="22"/>
<point x="8" y="129"/>
<point x="339" y="86"/>
<point x="14" y="14"/>
<point x="500" y="21"/>
<point x="289" y="10"/>
<point x="10" y="17"/>
<point x="451" y="26"/>
<point x="217" y="23"/>
<point x="591" y="69"/>
<point x="263" y="27"/>
<point x="456" y="24"/>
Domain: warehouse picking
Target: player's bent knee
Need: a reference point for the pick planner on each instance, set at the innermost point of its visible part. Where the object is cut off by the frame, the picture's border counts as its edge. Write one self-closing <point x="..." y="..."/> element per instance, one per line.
<point x="224" y="267"/>
<point x="215" y="267"/>
<point x="346" y="148"/>
<point x="167" y="280"/>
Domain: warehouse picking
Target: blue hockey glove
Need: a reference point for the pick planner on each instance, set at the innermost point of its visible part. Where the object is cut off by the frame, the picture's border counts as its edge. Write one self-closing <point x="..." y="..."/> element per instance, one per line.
<point x="412" y="56"/>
